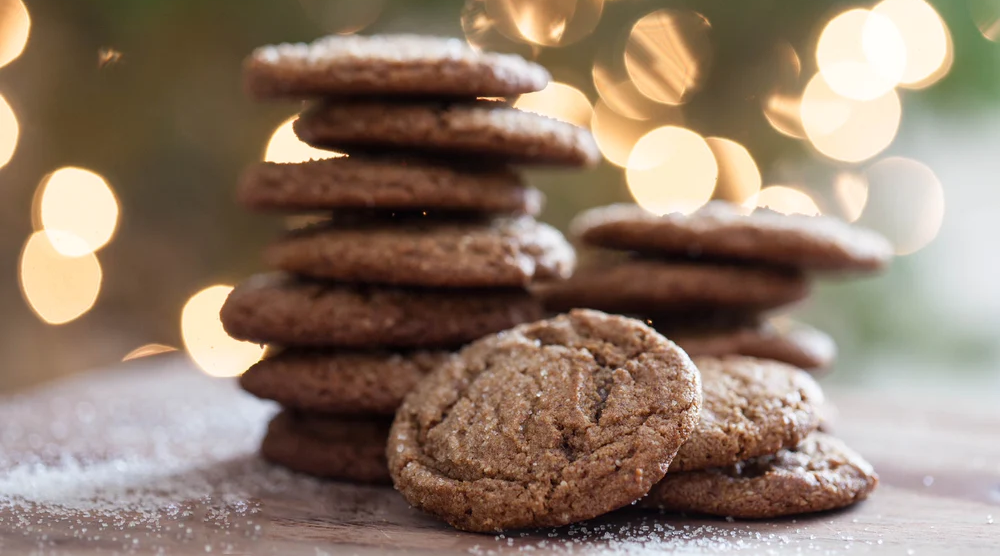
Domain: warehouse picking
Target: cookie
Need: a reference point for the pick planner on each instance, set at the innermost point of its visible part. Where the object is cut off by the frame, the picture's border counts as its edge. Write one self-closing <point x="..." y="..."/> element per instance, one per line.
<point x="751" y="407"/>
<point x="547" y="424"/>
<point x="332" y="448"/>
<point x="462" y="129"/>
<point x="387" y="65"/>
<point x="275" y="308"/>
<point x="382" y="183"/>
<point x="340" y="382"/>
<point x="782" y="340"/>
<point x="719" y="231"/>
<point x="820" y="474"/>
<point x="656" y="287"/>
<point x="503" y="252"/>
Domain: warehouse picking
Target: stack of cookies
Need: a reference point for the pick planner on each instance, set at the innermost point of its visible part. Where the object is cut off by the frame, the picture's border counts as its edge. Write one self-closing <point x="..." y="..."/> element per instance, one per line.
<point x="430" y="240"/>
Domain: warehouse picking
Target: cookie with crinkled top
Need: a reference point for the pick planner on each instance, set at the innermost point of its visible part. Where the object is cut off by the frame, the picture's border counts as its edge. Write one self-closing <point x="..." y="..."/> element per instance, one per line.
<point x="820" y="474"/>
<point x="546" y="424"/>
<point x="357" y="182"/>
<point x="387" y="65"/>
<point x="480" y="128"/>
<point x="502" y="252"/>
<point x="751" y="407"/>
<point x="721" y="231"/>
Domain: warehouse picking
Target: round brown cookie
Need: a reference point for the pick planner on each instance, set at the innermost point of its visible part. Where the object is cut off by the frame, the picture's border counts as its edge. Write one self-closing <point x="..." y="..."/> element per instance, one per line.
<point x="332" y="448"/>
<point x="719" y="231"/>
<point x="751" y="407"/>
<point x="780" y="339"/>
<point x="387" y="65"/>
<point x="392" y="184"/>
<point x="274" y="308"/>
<point x="820" y="474"/>
<point x="654" y="287"/>
<point x="504" y="252"/>
<point x="550" y="423"/>
<point x="479" y="127"/>
<point x="340" y="382"/>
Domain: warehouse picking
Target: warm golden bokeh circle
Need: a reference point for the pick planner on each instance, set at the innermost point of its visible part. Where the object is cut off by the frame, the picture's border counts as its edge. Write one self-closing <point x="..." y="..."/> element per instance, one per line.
<point x="739" y="176"/>
<point x="616" y="135"/>
<point x="668" y="54"/>
<point x="80" y="203"/>
<point x="851" y="190"/>
<point x="548" y="23"/>
<point x="207" y="342"/>
<point x="9" y="132"/>
<point x="58" y="288"/>
<point x="925" y="36"/>
<point x="560" y="101"/>
<point x="15" y="26"/>
<point x="861" y="54"/>
<point x="905" y="203"/>
<point x="846" y="129"/>
<point x="285" y="147"/>
<point x="787" y="200"/>
<point x="671" y="169"/>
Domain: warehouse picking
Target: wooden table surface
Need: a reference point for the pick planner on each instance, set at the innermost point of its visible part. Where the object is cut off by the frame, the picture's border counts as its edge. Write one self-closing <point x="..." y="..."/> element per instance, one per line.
<point x="157" y="458"/>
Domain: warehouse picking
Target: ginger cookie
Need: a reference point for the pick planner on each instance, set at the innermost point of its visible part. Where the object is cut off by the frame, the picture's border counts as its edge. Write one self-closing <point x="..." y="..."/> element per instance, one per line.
<point x="387" y="65"/>
<point x="278" y="309"/>
<point x="323" y="381"/>
<point x="385" y="183"/>
<point x="657" y="287"/>
<point x="333" y="448"/>
<point x="503" y="252"/>
<point x="820" y="474"/>
<point x="461" y="129"/>
<point x="751" y="407"/>
<point x="782" y="340"/>
<point x="547" y="424"/>
<point x="720" y="231"/>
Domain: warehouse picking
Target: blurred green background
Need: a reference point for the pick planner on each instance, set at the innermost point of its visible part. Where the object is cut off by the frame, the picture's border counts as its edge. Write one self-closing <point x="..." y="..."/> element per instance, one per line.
<point x="148" y="95"/>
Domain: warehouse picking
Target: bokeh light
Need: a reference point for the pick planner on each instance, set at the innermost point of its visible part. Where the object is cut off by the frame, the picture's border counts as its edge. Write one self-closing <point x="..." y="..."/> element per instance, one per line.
<point x="286" y="147"/>
<point x="81" y="204"/>
<point x="9" y="132"/>
<point x="58" y="288"/>
<point x="925" y="36"/>
<point x="668" y="54"/>
<point x="786" y="200"/>
<point x="343" y="17"/>
<point x="616" y="135"/>
<point x="481" y="32"/>
<point x="905" y="203"/>
<point x="620" y="94"/>
<point x="671" y="169"/>
<point x="148" y="350"/>
<point x="739" y="177"/>
<point x="851" y="190"/>
<point x="847" y="129"/>
<point x="15" y="26"/>
<point x="207" y="342"/>
<point x="560" y="101"/>
<point x="861" y="54"/>
<point x="550" y="23"/>
<point x="784" y="113"/>
<point x="986" y="16"/>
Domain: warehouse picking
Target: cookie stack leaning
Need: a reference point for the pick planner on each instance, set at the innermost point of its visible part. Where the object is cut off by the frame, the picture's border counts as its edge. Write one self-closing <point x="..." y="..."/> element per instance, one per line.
<point x="711" y="282"/>
<point x="430" y="243"/>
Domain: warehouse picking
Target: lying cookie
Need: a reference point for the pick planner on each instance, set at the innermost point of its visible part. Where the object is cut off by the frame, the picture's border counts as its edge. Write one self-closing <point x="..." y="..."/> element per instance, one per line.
<point x="504" y="252"/>
<point x="333" y="448"/>
<point x="820" y="474"/>
<point x="719" y="231"/>
<point x="797" y="344"/>
<point x="462" y="129"/>
<point x="274" y="308"/>
<point x="387" y="65"/>
<point x="751" y="407"/>
<point x="340" y="382"/>
<point x="550" y="423"/>
<point x="655" y="287"/>
<point x="383" y="183"/>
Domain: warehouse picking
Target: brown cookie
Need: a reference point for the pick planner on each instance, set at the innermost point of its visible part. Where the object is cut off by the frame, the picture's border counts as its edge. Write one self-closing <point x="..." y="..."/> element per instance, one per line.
<point x="461" y="129"/>
<point x="387" y="65"/>
<point x="820" y="474"/>
<point x="274" y="308"/>
<point x="504" y="252"/>
<point x="656" y="287"/>
<point x="549" y="423"/>
<point x="340" y="382"/>
<point x="719" y="231"/>
<point x="751" y="407"/>
<point x="779" y="339"/>
<point x="382" y="183"/>
<point x="333" y="448"/>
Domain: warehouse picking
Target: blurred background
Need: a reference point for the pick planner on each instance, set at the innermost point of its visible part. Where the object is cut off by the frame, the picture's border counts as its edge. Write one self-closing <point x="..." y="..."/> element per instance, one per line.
<point x="123" y="128"/>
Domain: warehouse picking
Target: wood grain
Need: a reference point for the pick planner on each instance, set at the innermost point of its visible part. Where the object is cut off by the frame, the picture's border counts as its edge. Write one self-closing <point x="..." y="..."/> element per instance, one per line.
<point x="157" y="458"/>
